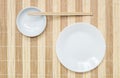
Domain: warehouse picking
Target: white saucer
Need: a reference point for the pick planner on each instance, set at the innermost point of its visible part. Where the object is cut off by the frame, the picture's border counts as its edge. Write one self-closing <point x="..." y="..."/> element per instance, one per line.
<point x="80" y="47"/>
<point x="30" y="25"/>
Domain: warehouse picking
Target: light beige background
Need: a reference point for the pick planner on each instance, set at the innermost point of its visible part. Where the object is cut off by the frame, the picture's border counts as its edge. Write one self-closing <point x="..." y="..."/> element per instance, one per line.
<point x="23" y="57"/>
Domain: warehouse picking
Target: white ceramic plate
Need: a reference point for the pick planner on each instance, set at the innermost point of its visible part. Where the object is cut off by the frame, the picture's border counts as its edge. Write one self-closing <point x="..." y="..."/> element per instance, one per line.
<point x="30" y="25"/>
<point x="80" y="47"/>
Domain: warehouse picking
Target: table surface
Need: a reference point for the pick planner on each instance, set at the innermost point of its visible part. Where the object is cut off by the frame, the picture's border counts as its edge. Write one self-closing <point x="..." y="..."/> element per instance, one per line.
<point x="24" y="57"/>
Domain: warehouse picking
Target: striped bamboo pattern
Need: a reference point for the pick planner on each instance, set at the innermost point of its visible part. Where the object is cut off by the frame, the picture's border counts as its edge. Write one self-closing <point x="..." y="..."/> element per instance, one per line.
<point x="24" y="57"/>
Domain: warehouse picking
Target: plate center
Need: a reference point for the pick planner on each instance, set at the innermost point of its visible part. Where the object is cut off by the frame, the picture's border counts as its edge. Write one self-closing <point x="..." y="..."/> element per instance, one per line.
<point x="76" y="45"/>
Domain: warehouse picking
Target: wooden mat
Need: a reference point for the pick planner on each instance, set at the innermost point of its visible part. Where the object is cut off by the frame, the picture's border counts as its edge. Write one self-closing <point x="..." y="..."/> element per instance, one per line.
<point x="24" y="57"/>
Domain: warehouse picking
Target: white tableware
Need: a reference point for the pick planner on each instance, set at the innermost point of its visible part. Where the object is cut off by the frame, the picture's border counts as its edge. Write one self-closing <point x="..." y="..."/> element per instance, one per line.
<point x="80" y="47"/>
<point x="30" y="25"/>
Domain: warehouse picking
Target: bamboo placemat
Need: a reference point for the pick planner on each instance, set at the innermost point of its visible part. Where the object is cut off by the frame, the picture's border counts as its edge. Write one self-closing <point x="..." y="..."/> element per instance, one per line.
<point x="23" y="57"/>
